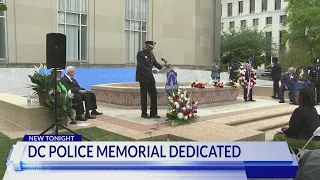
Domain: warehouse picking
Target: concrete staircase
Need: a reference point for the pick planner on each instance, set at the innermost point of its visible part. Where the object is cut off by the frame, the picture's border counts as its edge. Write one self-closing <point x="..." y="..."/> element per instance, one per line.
<point x="268" y="121"/>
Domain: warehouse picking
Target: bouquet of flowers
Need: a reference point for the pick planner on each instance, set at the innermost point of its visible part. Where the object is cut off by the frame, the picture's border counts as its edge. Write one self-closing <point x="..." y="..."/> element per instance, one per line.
<point x="218" y="84"/>
<point x="233" y="84"/>
<point x="197" y="84"/>
<point x="182" y="109"/>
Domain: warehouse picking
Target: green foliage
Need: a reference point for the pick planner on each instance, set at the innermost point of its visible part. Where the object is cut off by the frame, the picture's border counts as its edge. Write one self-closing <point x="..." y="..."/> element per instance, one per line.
<point x="64" y="105"/>
<point x="42" y="81"/>
<point x="243" y="42"/>
<point x="303" y="22"/>
<point x="3" y="7"/>
<point x="297" y="55"/>
<point x="269" y="66"/>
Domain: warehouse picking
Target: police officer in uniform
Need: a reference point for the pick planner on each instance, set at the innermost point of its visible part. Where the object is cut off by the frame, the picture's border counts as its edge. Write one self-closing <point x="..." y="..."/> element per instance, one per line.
<point x="276" y="77"/>
<point x="144" y="75"/>
<point x="234" y="68"/>
<point x="315" y="78"/>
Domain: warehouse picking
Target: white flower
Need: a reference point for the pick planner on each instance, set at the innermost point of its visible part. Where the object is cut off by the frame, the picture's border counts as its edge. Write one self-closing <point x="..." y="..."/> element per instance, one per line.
<point x="186" y="99"/>
<point x="183" y="109"/>
<point x="187" y="106"/>
<point x="37" y="69"/>
<point x="45" y="67"/>
<point x="182" y="96"/>
<point x="186" y="118"/>
<point x="51" y="91"/>
<point x="180" y="115"/>
<point x="41" y="66"/>
<point x="177" y="104"/>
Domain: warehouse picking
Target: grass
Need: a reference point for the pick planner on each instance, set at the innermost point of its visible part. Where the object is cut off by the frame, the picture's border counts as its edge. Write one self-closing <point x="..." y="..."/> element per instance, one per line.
<point x="94" y="134"/>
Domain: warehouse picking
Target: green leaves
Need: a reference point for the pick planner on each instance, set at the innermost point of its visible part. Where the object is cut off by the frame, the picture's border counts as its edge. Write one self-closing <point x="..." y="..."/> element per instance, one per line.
<point x="64" y="105"/>
<point x="244" y="41"/>
<point x="3" y="7"/>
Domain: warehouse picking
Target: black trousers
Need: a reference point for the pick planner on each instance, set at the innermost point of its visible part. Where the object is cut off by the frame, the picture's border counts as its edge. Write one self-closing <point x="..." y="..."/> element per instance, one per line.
<point x="317" y="92"/>
<point x="245" y="92"/>
<point x="276" y="88"/>
<point x="148" y="88"/>
<point x="89" y="99"/>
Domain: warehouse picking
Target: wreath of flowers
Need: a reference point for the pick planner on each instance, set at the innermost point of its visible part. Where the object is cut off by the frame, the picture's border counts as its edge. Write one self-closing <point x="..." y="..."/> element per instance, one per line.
<point x="197" y="84"/>
<point x="252" y="79"/>
<point x="218" y="84"/>
<point x="182" y="109"/>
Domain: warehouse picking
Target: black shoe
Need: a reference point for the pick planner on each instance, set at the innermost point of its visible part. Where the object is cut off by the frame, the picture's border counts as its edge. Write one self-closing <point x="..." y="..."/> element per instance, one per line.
<point x="80" y="118"/>
<point x="245" y="100"/>
<point x="273" y="97"/>
<point x="89" y="116"/>
<point x="278" y="98"/>
<point x="145" y="116"/>
<point x="73" y="122"/>
<point x="282" y="101"/>
<point x="155" y="116"/>
<point x="293" y="103"/>
<point x="252" y="100"/>
<point x="95" y="113"/>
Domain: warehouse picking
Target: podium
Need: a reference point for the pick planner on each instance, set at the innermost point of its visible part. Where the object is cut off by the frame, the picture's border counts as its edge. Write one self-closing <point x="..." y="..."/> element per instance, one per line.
<point x="166" y="70"/>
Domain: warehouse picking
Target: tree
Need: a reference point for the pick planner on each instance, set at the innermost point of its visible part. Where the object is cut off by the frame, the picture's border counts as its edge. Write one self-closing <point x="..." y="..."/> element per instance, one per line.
<point x="303" y="23"/>
<point x="243" y="42"/>
<point x="3" y="7"/>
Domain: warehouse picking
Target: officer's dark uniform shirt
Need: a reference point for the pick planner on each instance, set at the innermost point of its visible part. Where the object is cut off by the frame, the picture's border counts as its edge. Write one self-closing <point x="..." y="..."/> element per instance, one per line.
<point x="315" y="75"/>
<point x="145" y="62"/>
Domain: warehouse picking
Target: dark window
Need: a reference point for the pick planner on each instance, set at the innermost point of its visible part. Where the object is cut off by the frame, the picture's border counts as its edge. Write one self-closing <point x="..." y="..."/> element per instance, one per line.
<point x="268" y="20"/>
<point x="252" y="6"/>
<point x="269" y="34"/>
<point x="240" y="7"/>
<point x="277" y="4"/>
<point x="282" y="18"/>
<point x="264" y="5"/>
<point x="282" y="45"/>
<point x="231" y="24"/>
<point x="229" y="9"/>
<point x="243" y="23"/>
<point x="221" y="25"/>
<point x="255" y="22"/>
<point x="268" y="54"/>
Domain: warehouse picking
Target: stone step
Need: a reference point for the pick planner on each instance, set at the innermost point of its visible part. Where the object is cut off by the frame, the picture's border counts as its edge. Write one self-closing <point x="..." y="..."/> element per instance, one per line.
<point x="246" y="118"/>
<point x="267" y="123"/>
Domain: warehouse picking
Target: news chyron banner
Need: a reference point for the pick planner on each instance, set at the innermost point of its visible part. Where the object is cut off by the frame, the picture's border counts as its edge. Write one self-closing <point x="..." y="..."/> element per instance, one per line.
<point x="67" y="156"/>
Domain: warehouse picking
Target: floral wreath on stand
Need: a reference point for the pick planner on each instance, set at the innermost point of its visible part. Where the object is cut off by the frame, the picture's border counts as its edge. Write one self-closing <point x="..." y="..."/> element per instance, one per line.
<point x="253" y="76"/>
<point x="182" y="109"/>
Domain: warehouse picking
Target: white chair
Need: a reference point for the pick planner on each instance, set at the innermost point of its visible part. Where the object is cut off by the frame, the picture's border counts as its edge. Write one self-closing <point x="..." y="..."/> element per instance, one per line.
<point x="302" y="150"/>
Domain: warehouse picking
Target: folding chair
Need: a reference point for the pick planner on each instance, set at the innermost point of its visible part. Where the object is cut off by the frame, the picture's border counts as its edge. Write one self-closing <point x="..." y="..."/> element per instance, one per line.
<point x="301" y="151"/>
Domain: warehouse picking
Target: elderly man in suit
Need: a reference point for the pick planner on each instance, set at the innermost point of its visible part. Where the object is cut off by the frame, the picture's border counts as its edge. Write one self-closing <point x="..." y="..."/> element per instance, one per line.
<point x="286" y="83"/>
<point x="144" y="75"/>
<point x="80" y="94"/>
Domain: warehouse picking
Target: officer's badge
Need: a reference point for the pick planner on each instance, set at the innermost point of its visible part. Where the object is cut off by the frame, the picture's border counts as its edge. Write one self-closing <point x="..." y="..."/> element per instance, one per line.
<point x="146" y="57"/>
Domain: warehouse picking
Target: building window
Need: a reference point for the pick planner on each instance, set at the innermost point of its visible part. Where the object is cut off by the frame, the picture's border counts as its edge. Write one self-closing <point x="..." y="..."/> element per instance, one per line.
<point x="136" y="18"/>
<point x="240" y="7"/>
<point x="268" y="20"/>
<point x="3" y="34"/>
<point x="277" y="4"/>
<point x="264" y="5"/>
<point x="255" y="22"/>
<point x="282" y="18"/>
<point x="268" y="54"/>
<point x="282" y="45"/>
<point x="229" y="9"/>
<point x="269" y="34"/>
<point x="73" y="22"/>
<point x="231" y="24"/>
<point x="252" y="6"/>
<point x="221" y="25"/>
<point x="243" y="23"/>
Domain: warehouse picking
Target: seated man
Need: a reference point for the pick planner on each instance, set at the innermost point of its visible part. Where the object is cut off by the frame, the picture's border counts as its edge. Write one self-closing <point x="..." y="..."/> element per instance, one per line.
<point x="303" y="122"/>
<point x="80" y="94"/>
<point x="286" y="82"/>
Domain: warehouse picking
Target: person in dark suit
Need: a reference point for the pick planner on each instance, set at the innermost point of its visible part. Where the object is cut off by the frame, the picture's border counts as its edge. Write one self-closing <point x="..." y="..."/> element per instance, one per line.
<point x="276" y="77"/>
<point x="80" y="94"/>
<point x="315" y="78"/>
<point x="303" y="122"/>
<point x="286" y="81"/>
<point x="233" y="67"/>
<point x="144" y="75"/>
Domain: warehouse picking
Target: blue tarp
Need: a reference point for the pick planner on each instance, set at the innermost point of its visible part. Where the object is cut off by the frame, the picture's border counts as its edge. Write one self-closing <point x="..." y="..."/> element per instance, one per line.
<point x="94" y="76"/>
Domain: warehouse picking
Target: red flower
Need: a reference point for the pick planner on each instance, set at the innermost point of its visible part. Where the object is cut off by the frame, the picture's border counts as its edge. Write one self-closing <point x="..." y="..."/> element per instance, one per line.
<point x="195" y="111"/>
<point x="192" y="116"/>
<point x="174" y="110"/>
<point x="193" y="102"/>
<point x="182" y="105"/>
<point x="187" y="95"/>
<point x="188" y="117"/>
<point x="177" y="96"/>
